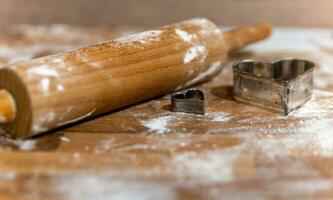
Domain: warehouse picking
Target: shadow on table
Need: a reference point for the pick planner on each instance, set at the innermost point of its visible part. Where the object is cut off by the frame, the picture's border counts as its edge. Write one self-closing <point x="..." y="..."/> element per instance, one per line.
<point x="223" y="92"/>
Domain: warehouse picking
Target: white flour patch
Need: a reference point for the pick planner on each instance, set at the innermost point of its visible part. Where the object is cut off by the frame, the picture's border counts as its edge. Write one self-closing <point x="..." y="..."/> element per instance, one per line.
<point x="166" y="124"/>
<point x="208" y="166"/>
<point x="45" y="85"/>
<point x="100" y="187"/>
<point x="306" y="131"/>
<point x="197" y="51"/>
<point x="313" y="136"/>
<point x="185" y="36"/>
<point x="140" y="38"/>
<point x="7" y="176"/>
<point x="23" y="145"/>
<point x="65" y="139"/>
<point x="304" y="187"/>
<point x="26" y="145"/>
<point x="322" y="93"/>
<point x="158" y="125"/>
<point x="320" y="83"/>
<point x="60" y="87"/>
<point x="309" y="130"/>
<point x="43" y="70"/>
<point x="219" y="116"/>
<point x="39" y="125"/>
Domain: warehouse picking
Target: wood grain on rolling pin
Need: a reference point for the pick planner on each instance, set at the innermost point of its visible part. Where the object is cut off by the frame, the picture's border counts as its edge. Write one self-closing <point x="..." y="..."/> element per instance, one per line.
<point x="60" y="89"/>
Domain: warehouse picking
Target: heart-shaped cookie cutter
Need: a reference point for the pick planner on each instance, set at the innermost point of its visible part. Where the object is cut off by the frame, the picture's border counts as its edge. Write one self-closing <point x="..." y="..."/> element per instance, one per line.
<point x="188" y="101"/>
<point x="281" y="86"/>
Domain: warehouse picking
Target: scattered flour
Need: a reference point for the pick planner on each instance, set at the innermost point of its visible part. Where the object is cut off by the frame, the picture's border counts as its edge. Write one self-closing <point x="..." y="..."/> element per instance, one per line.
<point x="197" y="51"/>
<point x="26" y="145"/>
<point x="39" y="125"/>
<point x="104" y="146"/>
<point x="100" y="187"/>
<point x="7" y="176"/>
<point x="23" y="145"/>
<point x="185" y="36"/>
<point x="164" y="124"/>
<point x="304" y="187"/>
<point x="64" y="139"/>
<point x="158" y="125"/>
<point x="308" y="129"/>
<point x="208" y="166"/>
<point x="140" y="39"/>
<point x="313" y="137"/>
<point x="42" y="70"/>
<point x="45" y="85"/>
<point x="219" y="116"/>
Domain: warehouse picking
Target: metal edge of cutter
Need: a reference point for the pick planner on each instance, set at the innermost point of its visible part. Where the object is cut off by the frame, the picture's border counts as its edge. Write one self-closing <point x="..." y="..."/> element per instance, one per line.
<point x="188" y="101"/>
<point x="281" y="86"/>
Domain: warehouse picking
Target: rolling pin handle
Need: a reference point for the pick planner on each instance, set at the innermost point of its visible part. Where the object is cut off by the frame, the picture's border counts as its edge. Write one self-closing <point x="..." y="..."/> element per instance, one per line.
<point x="242" y="36"/>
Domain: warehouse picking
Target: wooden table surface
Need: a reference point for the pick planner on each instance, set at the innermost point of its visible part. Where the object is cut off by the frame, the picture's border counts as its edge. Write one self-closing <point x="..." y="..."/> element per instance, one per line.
<point x="147" y="152"/>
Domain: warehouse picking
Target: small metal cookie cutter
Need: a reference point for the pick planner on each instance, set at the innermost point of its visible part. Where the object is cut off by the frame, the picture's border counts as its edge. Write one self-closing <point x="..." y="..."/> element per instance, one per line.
<point x="281" y="86"/>
<point x="188" y="101"/>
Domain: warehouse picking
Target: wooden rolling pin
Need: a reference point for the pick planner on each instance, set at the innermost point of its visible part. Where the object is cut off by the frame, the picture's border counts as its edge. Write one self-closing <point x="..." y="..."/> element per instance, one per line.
<point x="52" y="91"/>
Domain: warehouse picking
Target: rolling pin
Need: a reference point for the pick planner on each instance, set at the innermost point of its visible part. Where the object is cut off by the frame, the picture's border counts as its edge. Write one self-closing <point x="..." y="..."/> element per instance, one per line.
<point x="52" y="91"/>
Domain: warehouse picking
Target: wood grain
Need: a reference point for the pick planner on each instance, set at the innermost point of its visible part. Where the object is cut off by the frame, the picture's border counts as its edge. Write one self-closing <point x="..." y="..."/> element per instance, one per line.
<point x="233" y="152"/>
<point x="8" y="107"/>
<point x="64" y="88"/>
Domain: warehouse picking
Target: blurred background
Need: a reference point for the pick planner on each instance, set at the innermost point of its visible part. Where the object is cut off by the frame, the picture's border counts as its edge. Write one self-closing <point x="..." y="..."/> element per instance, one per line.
<point x="147" y="13"/>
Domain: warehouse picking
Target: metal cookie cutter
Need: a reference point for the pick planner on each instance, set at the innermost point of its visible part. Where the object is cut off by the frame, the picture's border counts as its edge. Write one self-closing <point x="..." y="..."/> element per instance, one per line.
<point x="280" y="86"/>
<point x="188" y="101"/>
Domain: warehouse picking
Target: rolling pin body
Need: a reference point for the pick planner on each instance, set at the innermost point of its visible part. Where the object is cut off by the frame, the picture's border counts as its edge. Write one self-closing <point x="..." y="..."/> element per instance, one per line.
<point x="59" y="89"/>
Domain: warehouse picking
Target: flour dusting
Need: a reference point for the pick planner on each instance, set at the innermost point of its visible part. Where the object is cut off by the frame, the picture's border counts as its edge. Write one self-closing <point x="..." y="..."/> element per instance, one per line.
<point x="64" y="139"/>
<point x="39" y="125"/>
<point x="167" y="123"/>
<point x="45" y="85"/>
<point x="42" y="70"/>
<point x="8" y="176"/>
<point x="104" y="146"/>
<point x="185" y="36"/>
<point x="26" y="145"/>
<point x="197" y="51"/>
<point x="214" y="68"/>
<point x="219" y="116"/>
<point x="140" y="39"/>
<point x="208" y="166"/>
<point x="309" y="130"/>
<point x="158" y="125"/>
<point x="305" y="187"/>
<point x="101" y="187"/>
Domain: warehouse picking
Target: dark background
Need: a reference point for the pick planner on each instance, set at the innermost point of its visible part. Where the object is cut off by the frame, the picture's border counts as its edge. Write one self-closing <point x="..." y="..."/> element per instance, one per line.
<point x="318" y="13"/>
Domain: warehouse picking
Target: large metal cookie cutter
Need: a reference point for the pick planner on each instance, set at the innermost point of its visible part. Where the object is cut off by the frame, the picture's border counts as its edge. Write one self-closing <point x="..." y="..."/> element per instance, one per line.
<point x="280" y="86"/>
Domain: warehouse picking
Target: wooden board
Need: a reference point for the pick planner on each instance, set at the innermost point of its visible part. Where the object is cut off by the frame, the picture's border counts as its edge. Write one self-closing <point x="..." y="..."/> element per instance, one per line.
<point x="147" y="152"/>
